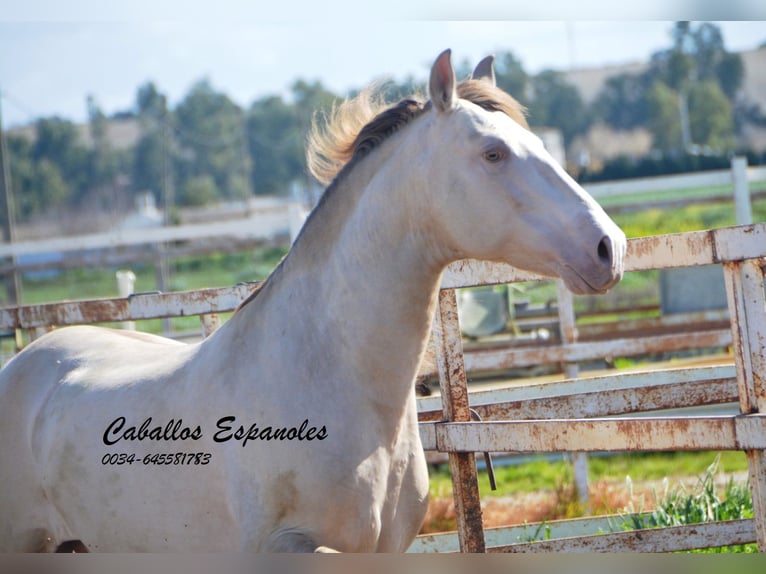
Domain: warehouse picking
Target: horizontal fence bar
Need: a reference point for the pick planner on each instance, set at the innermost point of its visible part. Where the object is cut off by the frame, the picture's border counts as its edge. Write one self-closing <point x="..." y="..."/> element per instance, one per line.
<point x="593" y="534"/>
<point x="508" y="358"/>
<point x="741" y="432"/>
<point x="687" y="249"/>
<point x="133" y="308"/>
<point x="713" y="178"/>
<point x="659" y="183"/>
<point x="255" y="226"/>
<point x="600" y="396"/>
<point x="670" y="539"/>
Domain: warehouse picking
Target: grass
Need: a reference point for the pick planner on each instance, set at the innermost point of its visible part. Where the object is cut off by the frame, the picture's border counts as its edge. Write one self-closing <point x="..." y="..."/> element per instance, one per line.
<point x="216" y="270"/>
<point x="678" y="507"/>
<point x="541" y="473"/>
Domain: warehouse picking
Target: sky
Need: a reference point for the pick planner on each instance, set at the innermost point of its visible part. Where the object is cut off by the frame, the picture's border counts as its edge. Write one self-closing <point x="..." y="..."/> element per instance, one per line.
<point x="54" y="54"/>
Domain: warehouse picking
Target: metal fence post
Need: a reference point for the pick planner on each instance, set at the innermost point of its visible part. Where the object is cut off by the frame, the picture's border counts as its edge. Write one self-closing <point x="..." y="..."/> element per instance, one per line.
<point x="747" y="305"/>
<point x="455" y="408"/>
<point x="568" y="332"/>
<point x="742" y="207"/>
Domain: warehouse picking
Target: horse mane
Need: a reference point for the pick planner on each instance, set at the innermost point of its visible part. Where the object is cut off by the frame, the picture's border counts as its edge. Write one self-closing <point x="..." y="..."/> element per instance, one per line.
<point x="358" y="125"/>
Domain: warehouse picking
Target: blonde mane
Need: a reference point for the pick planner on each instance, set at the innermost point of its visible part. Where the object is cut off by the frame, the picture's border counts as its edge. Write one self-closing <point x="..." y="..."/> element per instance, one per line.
<point x="358" y="125"/>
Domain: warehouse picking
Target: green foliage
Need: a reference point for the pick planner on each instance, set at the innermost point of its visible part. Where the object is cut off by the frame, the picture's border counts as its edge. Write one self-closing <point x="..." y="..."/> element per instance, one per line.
<point x="622" y="102"/>
<point x="102" y="161"/>
<point x="677" y="507"/>
<point x="710" y="115"/>
<point x="210" y="140"/>
<point x="664" y="122"/>
<point x="151" y="155"/>
<point x="275" y="138"/>
<point x="552" y="474"/>
<point x="199" y="190"/>
<point x="511" y="77"/>
<point x="558" y="104"/>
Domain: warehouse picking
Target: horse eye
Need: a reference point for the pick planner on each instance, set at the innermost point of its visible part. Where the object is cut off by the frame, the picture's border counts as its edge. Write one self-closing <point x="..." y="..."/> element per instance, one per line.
<point x="494" y="155"/>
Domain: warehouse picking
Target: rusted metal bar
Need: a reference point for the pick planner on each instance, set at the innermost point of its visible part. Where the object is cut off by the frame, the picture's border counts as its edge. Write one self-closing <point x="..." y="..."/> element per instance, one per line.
<point x="572" y="535"/>
<point x="502" y="359"/>
<point x="670" y="539"/>
<point x="568" y="334"/>
<point x="210" y="322"/>
<point x="455" y="407"/>
<point x="740" y="242"/>
<point x="740" y="432"/>
<point x="37" y="332"/>
<point x="687" y="249"/>
<point x="135" y="307"/>
<point x="605" y="403"/>
<point x="747" y="305"/>
<point x="677" y="322"/>
<point x="614" y="394"/>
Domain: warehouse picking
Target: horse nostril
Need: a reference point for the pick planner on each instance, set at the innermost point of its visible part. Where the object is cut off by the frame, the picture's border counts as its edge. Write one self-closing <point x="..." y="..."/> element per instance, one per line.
<point x="605" y="250"/>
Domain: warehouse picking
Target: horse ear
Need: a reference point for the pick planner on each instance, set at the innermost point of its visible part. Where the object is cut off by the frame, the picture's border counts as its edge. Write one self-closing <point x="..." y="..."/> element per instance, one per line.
<point x="442" y="84"/>
<point x="485" y="71"/>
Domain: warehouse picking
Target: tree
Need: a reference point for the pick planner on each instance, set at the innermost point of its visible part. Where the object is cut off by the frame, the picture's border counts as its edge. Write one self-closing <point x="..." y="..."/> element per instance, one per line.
<point x="199" y="190"/>
<point x="150" y="102"/>
<point x="558" y="104"/>
<point x="38" y="184"/>
<point x="730" y="73"/>
<point x="275" y="141"/>
<point x="664" y="118"/>
<point x="703" y="78"/>
<point x="58" y="141"/>
<point x="710" y="115"/>
<point x="622" y="102"/>
<point x="101" y="158"/>
<point x="309" y="99"/>
<point x="211" y="136"/>
<point x="511" y="77"/>
<point x="152" y="156"/>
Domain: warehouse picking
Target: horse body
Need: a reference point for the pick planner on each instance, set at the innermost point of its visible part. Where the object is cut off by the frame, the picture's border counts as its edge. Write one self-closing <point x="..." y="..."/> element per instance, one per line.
<point x="325" y="352"/>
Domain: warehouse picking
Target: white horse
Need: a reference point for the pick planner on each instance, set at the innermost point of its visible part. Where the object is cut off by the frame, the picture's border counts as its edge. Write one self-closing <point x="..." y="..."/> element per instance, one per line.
<point x="294" y="427"/>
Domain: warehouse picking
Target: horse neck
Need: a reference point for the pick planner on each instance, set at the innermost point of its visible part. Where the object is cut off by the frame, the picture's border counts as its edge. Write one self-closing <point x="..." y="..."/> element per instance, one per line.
<point x="363" y="276"/>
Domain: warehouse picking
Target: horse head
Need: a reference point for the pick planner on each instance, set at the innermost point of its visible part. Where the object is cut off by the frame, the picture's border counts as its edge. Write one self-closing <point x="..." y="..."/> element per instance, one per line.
<point x="499" y="195"/>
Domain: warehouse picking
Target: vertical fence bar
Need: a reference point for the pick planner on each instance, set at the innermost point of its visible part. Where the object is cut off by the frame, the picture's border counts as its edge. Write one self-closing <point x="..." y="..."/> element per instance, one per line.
<point x="569" y="334"/>
<point x="747" y="306"/>
<point x="742" y="206"/>
<point x="454" y="392"/>
<point x="210" y="322"/>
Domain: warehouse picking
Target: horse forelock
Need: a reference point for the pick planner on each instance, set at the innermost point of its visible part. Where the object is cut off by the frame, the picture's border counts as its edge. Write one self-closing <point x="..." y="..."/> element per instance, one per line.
<point x="492" y="99"/>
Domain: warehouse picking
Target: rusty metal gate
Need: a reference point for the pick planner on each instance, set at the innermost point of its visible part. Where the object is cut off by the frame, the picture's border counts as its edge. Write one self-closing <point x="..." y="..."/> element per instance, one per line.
<point x="586" y="421"/>
<point x="556" y="417"/>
